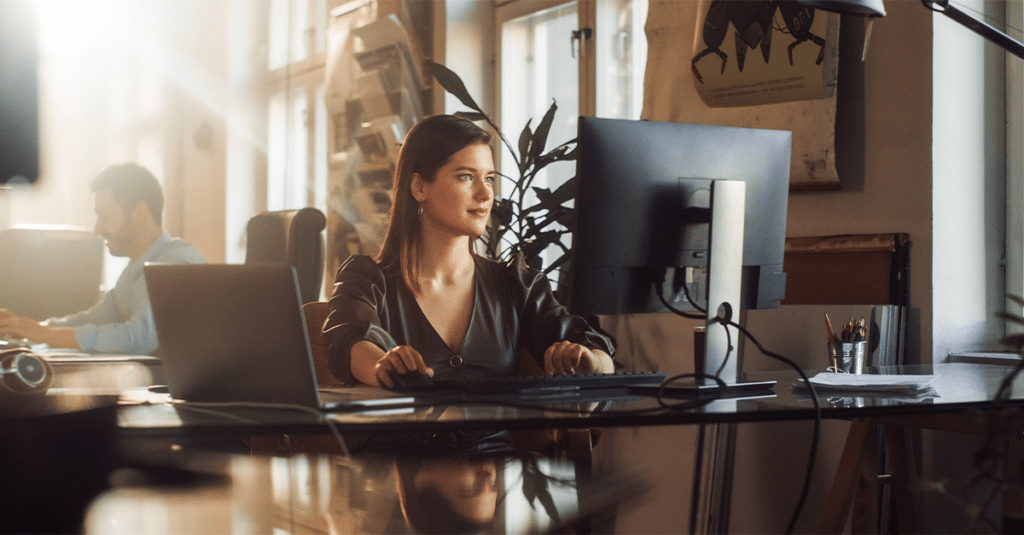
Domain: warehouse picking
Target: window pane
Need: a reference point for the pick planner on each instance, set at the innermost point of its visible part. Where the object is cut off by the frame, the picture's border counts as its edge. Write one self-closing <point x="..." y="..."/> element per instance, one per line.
<point x="320" y="157"/>
<point x="621" y="58"/>
<point x="287" y="151"/>
<point x="538" y="69"/>
<point x="289" y="42"/>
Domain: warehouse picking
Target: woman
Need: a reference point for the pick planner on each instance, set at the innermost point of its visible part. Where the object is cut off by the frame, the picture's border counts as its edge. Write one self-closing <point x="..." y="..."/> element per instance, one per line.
<point x="429" y="304"/>
<point x="448" y="494"/>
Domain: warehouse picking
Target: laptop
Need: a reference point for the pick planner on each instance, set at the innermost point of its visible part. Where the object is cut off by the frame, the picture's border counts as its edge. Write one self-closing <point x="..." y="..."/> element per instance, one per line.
<point x="236" y="333"/>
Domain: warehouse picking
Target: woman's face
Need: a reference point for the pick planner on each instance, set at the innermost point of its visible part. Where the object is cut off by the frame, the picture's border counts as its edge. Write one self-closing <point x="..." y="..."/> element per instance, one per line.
<point x="459" y="200"/>
<point x="468" y="485"/>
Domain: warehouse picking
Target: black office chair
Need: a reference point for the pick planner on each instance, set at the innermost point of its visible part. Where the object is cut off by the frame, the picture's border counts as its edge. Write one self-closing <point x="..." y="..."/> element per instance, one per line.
<point x="294" y="237"/>
<point x="49" y="271"/>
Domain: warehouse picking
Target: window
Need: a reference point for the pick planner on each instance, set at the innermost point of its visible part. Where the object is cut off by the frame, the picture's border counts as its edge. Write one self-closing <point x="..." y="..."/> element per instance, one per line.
<point x="586" y="56"/>
<point x="296" y="116"/>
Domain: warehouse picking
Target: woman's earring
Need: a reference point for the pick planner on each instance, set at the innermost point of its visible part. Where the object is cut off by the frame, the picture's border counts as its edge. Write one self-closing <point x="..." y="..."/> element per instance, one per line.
<point x="419" y="211"/>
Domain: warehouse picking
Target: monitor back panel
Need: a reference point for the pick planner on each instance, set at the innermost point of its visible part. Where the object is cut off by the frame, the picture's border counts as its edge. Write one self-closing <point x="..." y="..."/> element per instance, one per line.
<point x="232" y="332"/>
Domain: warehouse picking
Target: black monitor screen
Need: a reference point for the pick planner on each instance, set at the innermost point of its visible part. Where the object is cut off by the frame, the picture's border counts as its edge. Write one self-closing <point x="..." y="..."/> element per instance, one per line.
<point x="19" y="109"/>
<point x="642" y="211"/>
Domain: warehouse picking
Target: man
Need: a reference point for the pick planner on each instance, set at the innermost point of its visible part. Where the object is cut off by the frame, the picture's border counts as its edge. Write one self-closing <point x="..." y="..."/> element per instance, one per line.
<point x="129" y="206"/>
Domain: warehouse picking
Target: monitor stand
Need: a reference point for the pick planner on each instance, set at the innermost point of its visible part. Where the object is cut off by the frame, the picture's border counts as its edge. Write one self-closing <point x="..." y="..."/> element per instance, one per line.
<point x="725" y="278"/>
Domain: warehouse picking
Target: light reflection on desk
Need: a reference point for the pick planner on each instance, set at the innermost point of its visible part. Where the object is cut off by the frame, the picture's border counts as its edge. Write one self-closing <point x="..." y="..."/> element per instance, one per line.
<point x="520" y="493"/>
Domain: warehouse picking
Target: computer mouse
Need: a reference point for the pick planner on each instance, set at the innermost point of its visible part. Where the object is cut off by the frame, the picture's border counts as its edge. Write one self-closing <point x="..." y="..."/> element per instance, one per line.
<point x="407" y="380"/>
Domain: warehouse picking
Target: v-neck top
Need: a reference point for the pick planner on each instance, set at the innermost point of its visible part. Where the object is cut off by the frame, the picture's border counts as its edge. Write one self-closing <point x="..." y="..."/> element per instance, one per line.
<point x="513" y="309"/>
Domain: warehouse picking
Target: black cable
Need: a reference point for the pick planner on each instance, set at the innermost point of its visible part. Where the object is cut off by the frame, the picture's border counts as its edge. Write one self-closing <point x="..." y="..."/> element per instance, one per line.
<point x="659" y="289"/>
<point x="728" y="335"/>
<point x="814" y="396"/>
<point x="817" y="422"/>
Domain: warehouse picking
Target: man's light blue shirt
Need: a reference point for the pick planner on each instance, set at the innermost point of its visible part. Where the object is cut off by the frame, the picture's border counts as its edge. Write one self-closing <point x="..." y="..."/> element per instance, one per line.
<point x="122" y="321"/>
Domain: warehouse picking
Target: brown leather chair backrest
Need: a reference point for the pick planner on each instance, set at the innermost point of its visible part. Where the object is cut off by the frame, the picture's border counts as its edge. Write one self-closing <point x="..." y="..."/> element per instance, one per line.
<point x="316" y="314"/>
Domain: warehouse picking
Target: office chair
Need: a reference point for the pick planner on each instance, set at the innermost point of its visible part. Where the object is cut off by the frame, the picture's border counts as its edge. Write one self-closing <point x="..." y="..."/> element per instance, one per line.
<point x="49" y="271"/>
<point x="316" y="315"/>
<point x="292" y="236"/>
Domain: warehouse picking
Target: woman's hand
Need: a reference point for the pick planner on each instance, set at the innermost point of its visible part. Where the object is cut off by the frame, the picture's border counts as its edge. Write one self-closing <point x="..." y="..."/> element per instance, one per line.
<point x="401" y="359"/>
<point x="567" y="358"/>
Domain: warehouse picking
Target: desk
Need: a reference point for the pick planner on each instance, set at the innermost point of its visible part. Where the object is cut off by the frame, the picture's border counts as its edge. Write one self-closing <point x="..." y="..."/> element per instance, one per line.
<point x="962" y="389"/>
<point x="510" y="492"/>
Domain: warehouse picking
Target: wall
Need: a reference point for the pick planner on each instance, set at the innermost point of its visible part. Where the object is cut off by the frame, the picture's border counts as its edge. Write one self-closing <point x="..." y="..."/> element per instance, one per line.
<point x="892" y="195"/>
<point x="889" y="191"/>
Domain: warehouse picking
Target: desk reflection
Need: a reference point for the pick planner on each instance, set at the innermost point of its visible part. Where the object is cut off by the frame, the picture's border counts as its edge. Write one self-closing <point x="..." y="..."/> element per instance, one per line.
<point x="494" y="492"/>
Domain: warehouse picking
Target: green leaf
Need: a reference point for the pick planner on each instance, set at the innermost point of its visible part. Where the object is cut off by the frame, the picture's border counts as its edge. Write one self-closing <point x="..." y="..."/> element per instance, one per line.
<point x="540" y="138"/>
<point x="553" y="217"/>
<point x="502" y="211"/>
<point x="563" y="194"/>
<point x="567" y="218"/>
<point x="548" y="202"/>
<point x="452" y="84"/>
<point x="525" y="139"/>
<point x="558" y="154"/>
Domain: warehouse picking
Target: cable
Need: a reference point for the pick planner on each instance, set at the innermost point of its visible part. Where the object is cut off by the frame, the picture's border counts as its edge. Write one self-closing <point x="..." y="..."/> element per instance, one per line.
<point x="817" y="421"/>
<point x="728" y="335"/>
<point x="659" y="289"/>
<point x="814" y="395"/>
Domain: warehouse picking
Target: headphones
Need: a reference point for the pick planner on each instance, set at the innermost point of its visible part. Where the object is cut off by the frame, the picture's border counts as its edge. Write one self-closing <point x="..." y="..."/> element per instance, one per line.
<point x="24" y="372"/>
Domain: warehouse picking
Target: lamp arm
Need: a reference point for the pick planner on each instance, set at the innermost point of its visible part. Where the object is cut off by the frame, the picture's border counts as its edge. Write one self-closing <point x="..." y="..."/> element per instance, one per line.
<point x="983" y="29"/>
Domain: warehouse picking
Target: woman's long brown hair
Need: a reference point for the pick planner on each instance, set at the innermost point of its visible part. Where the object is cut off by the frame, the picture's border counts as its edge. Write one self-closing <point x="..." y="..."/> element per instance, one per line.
<point x="427" y="147"/>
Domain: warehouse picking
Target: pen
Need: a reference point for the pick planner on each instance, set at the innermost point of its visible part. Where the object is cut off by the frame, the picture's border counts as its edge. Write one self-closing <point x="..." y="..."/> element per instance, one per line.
<point x="828" y="330"/>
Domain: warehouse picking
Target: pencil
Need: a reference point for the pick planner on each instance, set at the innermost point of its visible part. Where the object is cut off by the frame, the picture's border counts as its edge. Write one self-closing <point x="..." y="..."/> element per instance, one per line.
<point x="828" y="330"/>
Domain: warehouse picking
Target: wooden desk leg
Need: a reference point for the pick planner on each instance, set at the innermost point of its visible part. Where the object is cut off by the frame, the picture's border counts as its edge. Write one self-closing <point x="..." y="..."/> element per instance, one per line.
<point x="857" y="474"/>
<point x="904" y="478"/>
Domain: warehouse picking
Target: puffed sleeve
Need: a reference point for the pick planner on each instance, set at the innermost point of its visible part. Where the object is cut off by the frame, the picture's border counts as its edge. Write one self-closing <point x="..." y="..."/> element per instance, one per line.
<point x="544" y="320"/>
<point x="356" y="308"/>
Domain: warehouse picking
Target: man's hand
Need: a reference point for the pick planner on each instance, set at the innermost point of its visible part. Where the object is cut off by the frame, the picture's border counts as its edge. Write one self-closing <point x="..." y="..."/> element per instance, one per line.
<point x="13" y="326"/>
<point x="567" y="358"/>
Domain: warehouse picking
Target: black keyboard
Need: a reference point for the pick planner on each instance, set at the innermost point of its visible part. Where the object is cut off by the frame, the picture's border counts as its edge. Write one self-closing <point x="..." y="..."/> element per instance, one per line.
<point x="538" y="384"/>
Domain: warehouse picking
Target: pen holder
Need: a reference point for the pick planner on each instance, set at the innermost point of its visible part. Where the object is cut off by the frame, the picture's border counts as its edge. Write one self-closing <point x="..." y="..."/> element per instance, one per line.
<point x="847" y="356"/>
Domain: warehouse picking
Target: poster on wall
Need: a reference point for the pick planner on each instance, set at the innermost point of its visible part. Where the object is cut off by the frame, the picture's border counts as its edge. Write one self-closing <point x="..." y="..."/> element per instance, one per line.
<point x="677" y="34"/>
<point x="756" y="53"/>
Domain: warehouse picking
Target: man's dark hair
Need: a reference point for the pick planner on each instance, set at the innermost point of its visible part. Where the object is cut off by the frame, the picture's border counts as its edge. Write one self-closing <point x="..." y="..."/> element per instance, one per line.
<point x="130" y="183"/>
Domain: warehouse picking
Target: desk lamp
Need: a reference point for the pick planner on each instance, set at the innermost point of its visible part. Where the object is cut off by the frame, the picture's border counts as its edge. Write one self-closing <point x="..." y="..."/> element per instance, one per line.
<point x="873" y="9"/>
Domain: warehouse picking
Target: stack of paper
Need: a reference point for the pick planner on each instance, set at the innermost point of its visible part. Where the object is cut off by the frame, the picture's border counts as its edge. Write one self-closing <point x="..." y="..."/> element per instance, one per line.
<point x="870" y="384"/>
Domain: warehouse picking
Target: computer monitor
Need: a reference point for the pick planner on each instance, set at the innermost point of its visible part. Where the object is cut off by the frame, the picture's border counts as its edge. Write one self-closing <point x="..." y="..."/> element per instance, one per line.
<point x="643" y="212"/>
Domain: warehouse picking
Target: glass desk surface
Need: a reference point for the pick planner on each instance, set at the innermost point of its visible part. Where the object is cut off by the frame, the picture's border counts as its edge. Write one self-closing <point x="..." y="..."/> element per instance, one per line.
<point x="958" y="387"/>
<point x="511" y="492"/>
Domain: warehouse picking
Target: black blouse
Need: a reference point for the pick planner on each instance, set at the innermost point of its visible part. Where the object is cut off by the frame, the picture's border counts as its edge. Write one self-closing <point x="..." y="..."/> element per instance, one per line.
<point x="513" y="309"/>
